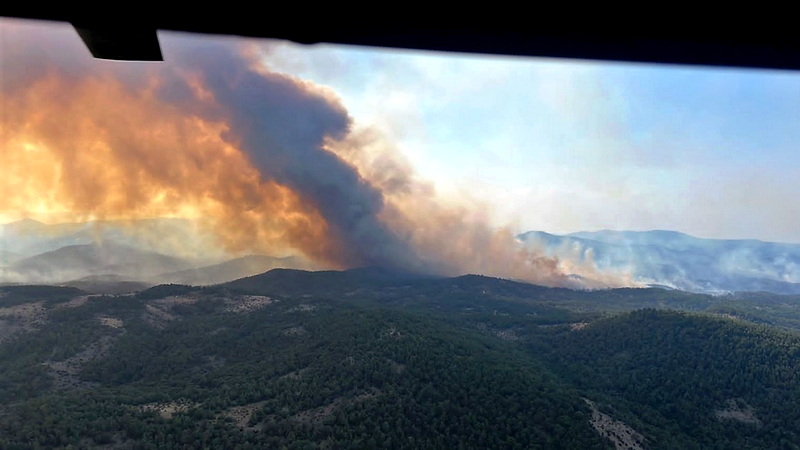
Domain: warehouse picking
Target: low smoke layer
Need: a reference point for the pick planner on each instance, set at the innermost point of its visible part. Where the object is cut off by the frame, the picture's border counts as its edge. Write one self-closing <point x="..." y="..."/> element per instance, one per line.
<point x="270" y="163"/>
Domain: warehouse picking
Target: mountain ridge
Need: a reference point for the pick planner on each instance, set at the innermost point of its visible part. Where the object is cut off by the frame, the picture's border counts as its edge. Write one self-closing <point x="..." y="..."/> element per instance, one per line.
<point x="84" y="260"/>
<point x="679" y="260"/>
<point x="671" y="259"/>
<point x="232" y="269"/>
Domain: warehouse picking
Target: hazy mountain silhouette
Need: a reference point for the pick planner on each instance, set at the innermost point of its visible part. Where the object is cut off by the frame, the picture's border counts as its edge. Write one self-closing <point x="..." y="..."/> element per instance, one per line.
<point x="681" y="261"/>
<point x="31" y="251"/>
<point x="233" y="269"/>
<point x="7" y="257"/>
<point x="29" y="237"/>
<point x="78" y="261"/>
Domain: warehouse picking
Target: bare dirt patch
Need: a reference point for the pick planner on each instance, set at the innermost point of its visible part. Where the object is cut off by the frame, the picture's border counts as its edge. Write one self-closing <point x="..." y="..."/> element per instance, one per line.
<point x="315" y="416"/>
<point x="21" y="319"/>
<point x="303" y="307"/>
<point x="577" y="326"/>
<point x="74" y="303"/>
<point x="508" y="334"/>
<point x="293" y="375"/>
<point x="623" y="436"/>
<point x="65" y="373"/>
<point x="295" y="331"/>
<point x="8" y="330"/>
<point x="159" y="313"/>
<point x="248" y="303"/>
<point x="177" y="300"/>
<point x="157" y="316"/>
<point x="33" y="313"/>
<point x="29" y="317"/>
<point x="392" y="332"/>
<point x="112" y="322"/>
<point x="241" y="415"/>
<point x="739" y="410"/>
<point x="168" y="409"/>
<point x="396" y="366"/>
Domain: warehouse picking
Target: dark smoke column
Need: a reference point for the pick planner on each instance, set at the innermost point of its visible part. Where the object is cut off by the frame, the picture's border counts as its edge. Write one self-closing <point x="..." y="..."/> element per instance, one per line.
<point x="283" y="125"/>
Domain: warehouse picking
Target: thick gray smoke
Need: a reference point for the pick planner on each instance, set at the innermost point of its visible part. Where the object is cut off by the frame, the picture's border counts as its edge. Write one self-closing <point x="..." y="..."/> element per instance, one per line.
<point x="283" y="125"/>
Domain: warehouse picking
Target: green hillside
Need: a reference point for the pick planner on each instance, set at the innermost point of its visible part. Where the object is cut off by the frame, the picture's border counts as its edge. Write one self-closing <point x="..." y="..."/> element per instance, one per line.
<point x="373" y="359"/>
<point x="243" y="371"/>
<point x="689" y="380"/>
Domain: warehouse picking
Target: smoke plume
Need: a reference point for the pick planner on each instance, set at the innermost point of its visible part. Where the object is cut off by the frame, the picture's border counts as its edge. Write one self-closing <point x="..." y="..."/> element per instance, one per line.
<point x="269" y="162"/>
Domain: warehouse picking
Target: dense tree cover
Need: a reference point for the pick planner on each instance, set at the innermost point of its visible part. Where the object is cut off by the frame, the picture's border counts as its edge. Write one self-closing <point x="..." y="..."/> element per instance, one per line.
<point x="670" y="372"/>
<point x="761" y="307"/>
<point x="395" y="362"/>
<point x="404" y="289"/>
<point x="321" y="374"/>
<point x="19" y="294"/>
<point x="165" y="290"/>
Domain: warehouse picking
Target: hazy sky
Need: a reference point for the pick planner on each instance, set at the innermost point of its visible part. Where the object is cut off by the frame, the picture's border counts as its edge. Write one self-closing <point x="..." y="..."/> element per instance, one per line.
<point x="563" y="146"/>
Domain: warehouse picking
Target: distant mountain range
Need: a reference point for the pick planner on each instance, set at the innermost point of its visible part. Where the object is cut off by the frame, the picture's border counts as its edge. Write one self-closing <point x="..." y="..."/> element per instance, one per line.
<point x="180" y="238"/>
<point x="154" y="251"/>
<point x="679" y="261"/>
<point x="83" y="260"/>
<point x="113" y="256"/>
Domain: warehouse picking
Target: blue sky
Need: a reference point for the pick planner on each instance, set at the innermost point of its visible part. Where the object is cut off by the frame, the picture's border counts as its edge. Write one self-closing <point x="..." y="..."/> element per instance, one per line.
<point x="562" y="146"/>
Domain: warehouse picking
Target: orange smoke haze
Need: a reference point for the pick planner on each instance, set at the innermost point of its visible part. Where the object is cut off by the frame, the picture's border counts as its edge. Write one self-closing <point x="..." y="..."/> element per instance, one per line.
<point x="102" y="152"/>
<point x="92" y="147"/>
<point x="266" y="162"/>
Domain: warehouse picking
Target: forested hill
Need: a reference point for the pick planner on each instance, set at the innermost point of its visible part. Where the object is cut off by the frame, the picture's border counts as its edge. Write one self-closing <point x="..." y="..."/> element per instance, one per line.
<point x="384" y="360"/>
<point x="695" y="381"/>
<point x="388" y="285"/>
<point x="206" y="369"/>
<point x="438" y="292"/>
